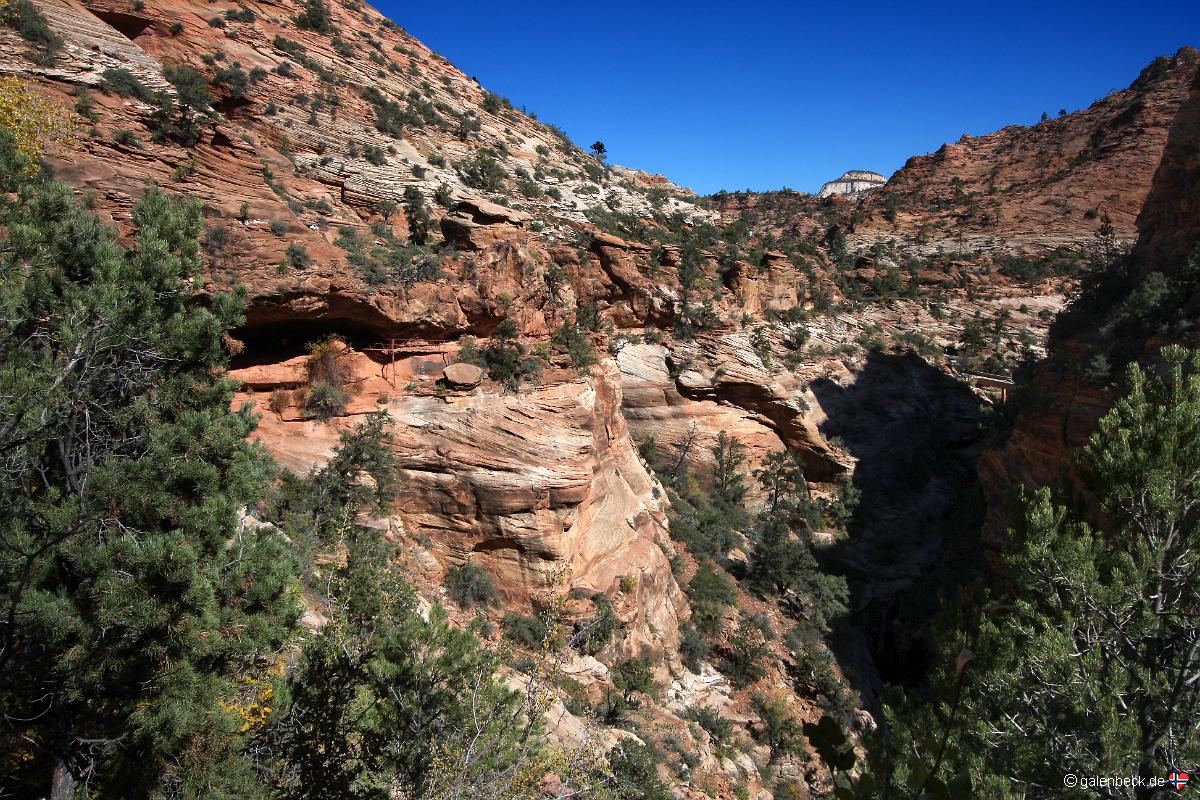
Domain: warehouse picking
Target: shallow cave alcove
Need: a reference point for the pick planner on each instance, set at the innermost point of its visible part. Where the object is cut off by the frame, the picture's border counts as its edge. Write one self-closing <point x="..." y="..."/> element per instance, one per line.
<point x="130" y="26"/>
<point x="280" y="340"/>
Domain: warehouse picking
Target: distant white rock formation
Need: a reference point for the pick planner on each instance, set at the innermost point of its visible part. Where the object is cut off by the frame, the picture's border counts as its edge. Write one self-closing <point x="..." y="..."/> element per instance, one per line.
<point x="856" y="181"/>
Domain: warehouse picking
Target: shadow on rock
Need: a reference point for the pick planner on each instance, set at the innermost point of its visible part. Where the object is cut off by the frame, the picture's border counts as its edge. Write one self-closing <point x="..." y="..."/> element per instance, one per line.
<point x="916" y="433"/>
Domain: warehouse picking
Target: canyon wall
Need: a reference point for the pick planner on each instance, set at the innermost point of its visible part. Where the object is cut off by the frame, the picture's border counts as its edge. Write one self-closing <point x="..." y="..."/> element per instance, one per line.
<point x="363" y="188"/>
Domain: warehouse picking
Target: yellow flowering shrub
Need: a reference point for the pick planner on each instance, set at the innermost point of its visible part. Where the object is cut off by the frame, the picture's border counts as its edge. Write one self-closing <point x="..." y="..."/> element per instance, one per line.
<point x="35" y="121"/>
<point x="256" y="691"/>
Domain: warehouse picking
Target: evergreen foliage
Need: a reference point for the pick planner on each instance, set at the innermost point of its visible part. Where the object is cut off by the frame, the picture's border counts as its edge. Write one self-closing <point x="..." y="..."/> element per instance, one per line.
<point x="470" y="585"/>
<point x="417" y="215"/>
<point x="504" y="357"/>
<point x="635" y="773"/>
<point x="315" y="17"/>
<point x="25" y="18"/>
<point x="1085" y="661"/>
<point x="571" y="339"/>
<point x="133" y="600"/>
<point x="384" y="701"/>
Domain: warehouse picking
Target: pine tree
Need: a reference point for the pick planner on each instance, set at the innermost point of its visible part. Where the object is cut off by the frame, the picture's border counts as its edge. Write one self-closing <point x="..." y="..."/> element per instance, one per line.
<point x="384" y="701"/>
<point x="193" y="97"/>
<point x="417" y="215"/>
<point x="1086" y="661"/>
<point x="783" y="562"/>
<point x="131" y="599"/>
<point x="782" y="478"/>
<point x="729" y="482"/>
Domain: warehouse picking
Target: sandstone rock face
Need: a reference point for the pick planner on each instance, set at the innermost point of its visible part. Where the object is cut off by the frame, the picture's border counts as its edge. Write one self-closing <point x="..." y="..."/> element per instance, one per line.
<point x="854" y="182"/>
<point x="296" y="159"/>
<point x="1048" y="184"/>
<point x="544" y="487"/>
<point x="524" y="485"/>
<point x="1020" y="189"/>
<point x="1169" y="222"/>
<point x="1038" y="452"/>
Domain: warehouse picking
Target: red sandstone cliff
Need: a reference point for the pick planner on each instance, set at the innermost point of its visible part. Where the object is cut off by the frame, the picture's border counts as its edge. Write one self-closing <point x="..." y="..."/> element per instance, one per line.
<point x="533" y="484"/>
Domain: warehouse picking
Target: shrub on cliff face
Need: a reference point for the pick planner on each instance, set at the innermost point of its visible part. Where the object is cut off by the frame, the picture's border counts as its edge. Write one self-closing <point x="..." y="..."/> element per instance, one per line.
<point x="416" y="214"/>
<point x="126" y="138"/>
<point x="235" y="79"/>
<point x="471" y="585"/>
<point x="693" y="648"/>
<point x="315" y="17"/>
<point x="178" y="121"/>
<point x="317" y="510"/>
<point x="745" y="661"/>
<point x="25" y="18"/>
<point x="504" y="357"/>
<point x="483" y="171"/>
<point x="529" y="632"/>
<point x="324" y="401"/>
<point x="778" y="726"/>
<point x="124" y="83"/>
<point x="328" y="375"/>
<point x="575" y="343"/>
<point x="710" y="593"/>
<point x="297" y="255"/>
<point x="635" y="772"/>
<point x="595" y="634"/>
<point x="325" y="364"/>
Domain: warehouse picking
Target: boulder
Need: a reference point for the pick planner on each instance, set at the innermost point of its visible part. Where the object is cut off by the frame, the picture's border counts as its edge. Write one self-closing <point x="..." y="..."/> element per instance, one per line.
<point x="462" y="376"/>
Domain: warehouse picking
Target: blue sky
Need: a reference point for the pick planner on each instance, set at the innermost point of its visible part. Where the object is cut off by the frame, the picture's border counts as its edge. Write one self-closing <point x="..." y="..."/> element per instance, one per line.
<point x="735" y="95"/>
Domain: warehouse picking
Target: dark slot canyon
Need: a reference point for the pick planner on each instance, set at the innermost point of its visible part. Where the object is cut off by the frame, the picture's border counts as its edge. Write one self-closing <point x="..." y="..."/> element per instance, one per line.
<point x="917" y="434"/>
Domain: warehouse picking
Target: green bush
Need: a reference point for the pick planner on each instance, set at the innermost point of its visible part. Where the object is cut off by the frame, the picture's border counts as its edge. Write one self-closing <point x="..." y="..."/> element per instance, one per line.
<point x="127" y="138"/>
<point x="85" y="106"/>
<point x="575" y="343"/>
<point x="177" y="121"/>
<point x="778" y="728"/>
<point x="635" y="772"/>
<point x="747" y="655"/>
<point x="233" y="78"/>
<point x="595" y="634"/>
<point x="504" y="358"/>
<point x="124" y="83"/>
<point x="693" y="648"/>
<point x="631" y="676"/>
<point x="470" y="584"/>
<point x="315" y="17"/>
<point x="720" y="729"/>
<point x="25" y="18"/>
<point x="483" y="171"/>
<point x="416" y="214"/>
<point x="529" y="632"/>
<point x="710" y="593"/>
<point x="491" y="102"/>
<point x="297" y="255"/>
<point x="323" y="401"/>
<point x="705" y="528"/>
<point x="443" y="195"/>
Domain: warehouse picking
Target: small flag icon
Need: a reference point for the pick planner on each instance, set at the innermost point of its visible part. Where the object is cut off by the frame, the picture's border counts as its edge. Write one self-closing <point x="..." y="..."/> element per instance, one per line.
<point x="1178" y="780"/>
